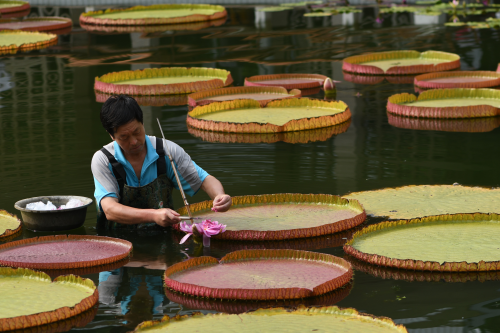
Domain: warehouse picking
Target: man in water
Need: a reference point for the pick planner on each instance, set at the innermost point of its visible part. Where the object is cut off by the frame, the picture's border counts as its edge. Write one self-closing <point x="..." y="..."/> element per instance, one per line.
<point x="133" y="176"/>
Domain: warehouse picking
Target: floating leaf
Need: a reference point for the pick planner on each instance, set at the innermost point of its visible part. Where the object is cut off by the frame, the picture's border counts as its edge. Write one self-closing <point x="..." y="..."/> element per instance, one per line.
<point x="261" y="94"/>
<point x="444" y="243"/>
<point x="324" y="319"/>
<point x="283" y="216"/>
<point x="287" y="115"/>
<point x="318" y="14"/>
<point x="63" y="252"/>
<point x="320" y="134"/>
<point x="163" y="81"/>
<point x="65" y="297"/>
<point x="154" y="14"/>
<point x="12" y="41"/>
<point x="399" y="9"/>
<point x="471" y="79"/>
<point x="301" y="4"/>
<point x="236" y="307"/>
<point x="173" y="100"/>
<point x="425" y="200"/>
<point x="401" y="62"/>
<point x="455" y="24"/>
<point x="468" y="125"/>
<point x="447" y="103"/>
<point x="274" y="9"/>
<point x="9" y="225"/>
<point x="287" y="81"/>
<point x="260" y="275"/>
<point x="37" y="24"/>
<point x="9" y="7"/>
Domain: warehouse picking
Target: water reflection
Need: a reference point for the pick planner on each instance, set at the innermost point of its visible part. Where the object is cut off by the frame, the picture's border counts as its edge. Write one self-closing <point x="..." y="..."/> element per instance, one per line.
<point x="150" y="100"/>
<point x="81" y="320"/>
<point x="471" y="125"/>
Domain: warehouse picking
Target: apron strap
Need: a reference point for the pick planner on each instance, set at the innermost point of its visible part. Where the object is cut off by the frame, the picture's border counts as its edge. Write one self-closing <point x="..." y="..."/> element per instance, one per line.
<point x="118" y="170"/>
<point x="161" y="164"/>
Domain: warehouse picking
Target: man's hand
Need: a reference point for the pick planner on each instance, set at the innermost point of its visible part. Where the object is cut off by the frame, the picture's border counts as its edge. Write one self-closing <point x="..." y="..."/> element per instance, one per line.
<point x="222" y="202"/>
<point x="166" y="217"/>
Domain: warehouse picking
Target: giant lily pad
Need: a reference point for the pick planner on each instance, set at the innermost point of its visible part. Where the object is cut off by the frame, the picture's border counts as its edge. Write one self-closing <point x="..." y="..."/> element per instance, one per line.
<point x="37" y="24"/>
<point x="12" y="41"/>
<point x="324" y="319"/>
<point x="376" y="79"/>
<point x="260" y="275"/>
<point x="247" y="116"/>
<point x="233" y="306"/>
<point x="63" y="252"/>
<point x="261" y="94"/>
<point x="155" y="14"/>
<point x="11" y="6"/>
<point x="320" y="134"/>
<point x="468" y="125"/>
<point x="412" y="201"/>
<point x="480" y="79"/>
<point x="48" y="301"/>
<point x="401" y="62"/>
<point x="447" y="103"/>
<point x="163" y="81"/>
<point x="148" y="100"/>
<point x="287" y="81"/>
<point x="283" y="216"/>
<point x="445" y="243"/>
<point x="9" y="225"/>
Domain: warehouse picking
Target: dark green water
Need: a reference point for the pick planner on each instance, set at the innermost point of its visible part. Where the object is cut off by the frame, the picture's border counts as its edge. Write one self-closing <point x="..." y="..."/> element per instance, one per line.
<point x="50" y="128"/>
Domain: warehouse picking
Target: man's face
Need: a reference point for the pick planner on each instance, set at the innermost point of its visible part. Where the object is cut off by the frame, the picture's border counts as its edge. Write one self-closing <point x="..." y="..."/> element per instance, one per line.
<point x="131" y="137"/>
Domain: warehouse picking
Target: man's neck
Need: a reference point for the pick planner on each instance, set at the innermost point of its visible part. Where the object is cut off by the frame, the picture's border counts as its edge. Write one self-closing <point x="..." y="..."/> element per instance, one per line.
<point x="137" y="157"/>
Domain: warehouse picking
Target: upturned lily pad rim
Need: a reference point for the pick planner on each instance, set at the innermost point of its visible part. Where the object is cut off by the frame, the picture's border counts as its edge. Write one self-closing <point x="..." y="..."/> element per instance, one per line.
<point x="21" y="322"/>
<point x="422" y="265"/>
<point x="13" y="48"/>
<point x="254" y="127"/>
<point x="258" y="294"/>
<point x="62" y="23"/>
<point x="63" y="238"/>
<point x="422" y="81"/>
<point x="306" y="136"/>
<point x="467" y="125"/>
<point x="93" y="16"/>
<point x="149" y="100"/>
<point x="23" y="5"/>
<point x="349" y="313"/>
<point x="266" y="199"/>
<point x="106" y="83"/>
<point x="354" y="64"/>
<point x="194" y="98"/>
<point x="253" y="80"/>
<point x="10" y="232"/>
<point x="399" y="104"/>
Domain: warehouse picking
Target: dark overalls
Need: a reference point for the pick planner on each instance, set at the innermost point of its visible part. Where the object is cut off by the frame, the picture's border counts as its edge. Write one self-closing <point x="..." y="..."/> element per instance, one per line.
<point x="155" y="195"/>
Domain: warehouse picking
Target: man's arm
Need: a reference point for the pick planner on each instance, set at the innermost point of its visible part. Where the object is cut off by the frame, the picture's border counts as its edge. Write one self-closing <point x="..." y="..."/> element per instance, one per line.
<point x="213" y="187"/>
<point x="117" y="212"/>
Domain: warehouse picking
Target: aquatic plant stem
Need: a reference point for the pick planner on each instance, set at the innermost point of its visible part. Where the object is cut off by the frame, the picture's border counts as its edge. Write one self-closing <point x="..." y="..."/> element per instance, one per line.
<point x="186" y="204"/>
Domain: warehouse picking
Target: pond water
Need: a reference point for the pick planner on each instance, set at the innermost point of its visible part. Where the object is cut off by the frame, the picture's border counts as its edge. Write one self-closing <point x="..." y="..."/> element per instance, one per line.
<point x="50" y="128"/>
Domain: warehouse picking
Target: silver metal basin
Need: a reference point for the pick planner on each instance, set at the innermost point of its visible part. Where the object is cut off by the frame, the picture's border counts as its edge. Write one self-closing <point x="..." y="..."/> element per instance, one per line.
<point x="53" y="220"/>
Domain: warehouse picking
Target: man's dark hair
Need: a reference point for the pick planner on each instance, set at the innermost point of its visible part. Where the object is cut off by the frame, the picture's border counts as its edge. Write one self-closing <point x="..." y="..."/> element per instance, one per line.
<point x="119" y="110"/>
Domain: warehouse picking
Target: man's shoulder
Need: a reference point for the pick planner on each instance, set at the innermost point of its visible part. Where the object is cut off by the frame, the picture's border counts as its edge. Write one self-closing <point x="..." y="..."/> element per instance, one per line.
<point x="100" y="158"/>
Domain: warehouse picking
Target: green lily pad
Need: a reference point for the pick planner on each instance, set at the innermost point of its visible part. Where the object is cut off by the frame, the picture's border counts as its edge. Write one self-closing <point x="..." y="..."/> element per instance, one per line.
<point x="274" y="9"/>
<point x="425" y="200"/>
<point x="9" y="224"/>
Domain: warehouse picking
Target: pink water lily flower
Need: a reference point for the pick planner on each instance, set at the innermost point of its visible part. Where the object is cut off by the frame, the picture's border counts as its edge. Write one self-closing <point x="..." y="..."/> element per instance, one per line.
<point x="207" y="227"/>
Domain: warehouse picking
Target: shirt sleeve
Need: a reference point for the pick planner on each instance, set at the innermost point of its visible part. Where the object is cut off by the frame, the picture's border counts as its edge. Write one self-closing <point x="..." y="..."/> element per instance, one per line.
<point x="105" y="182"/>
<point x="190" y="174"/>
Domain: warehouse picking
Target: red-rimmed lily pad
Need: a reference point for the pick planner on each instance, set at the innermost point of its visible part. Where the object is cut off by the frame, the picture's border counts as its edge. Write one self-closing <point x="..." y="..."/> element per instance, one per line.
<point x="447" y="103"/>
<point x="163" y="81"/>
<point x="261" y="94"/>
<point x="462" y="79"/>
<point x="12" y="41"/>
<point x="233" y="306"/>
<point x="173" y="100"/>
<point x="154" y="14"/>
<point x="320" y="134"/>
<point x="376" y="79"/>
<point x="401" y="62"/>
<point x="53" y="273"/>
<point x="13" y="6"/>
<point x="287" y="115"/>
<point x="60" y="326"/>
<point x="323" y="319"/>
<point x="52" y="24"/>
<point x="287" y="81"/>
<point x="10" y="225"/>
<point x="49" y="301"/>
<point x="260" y="275"/>
<point x="283" y="216"/>
<point x="469" y="125"/>
<point x="64" y="252"/>
<point x="444" y="243"/>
